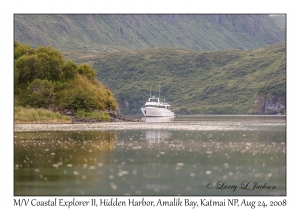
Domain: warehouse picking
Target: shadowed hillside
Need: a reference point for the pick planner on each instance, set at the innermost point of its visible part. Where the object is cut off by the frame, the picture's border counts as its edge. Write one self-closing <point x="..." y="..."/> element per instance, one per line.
<point x="220" y="82"/>
<point x="123" y="32"/>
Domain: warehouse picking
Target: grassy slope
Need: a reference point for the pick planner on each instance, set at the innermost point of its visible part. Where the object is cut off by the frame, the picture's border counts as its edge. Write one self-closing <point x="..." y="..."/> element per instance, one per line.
<point x="41" y="115"/>
<point x="123" y="32"/>
<point x="221" y="82"/>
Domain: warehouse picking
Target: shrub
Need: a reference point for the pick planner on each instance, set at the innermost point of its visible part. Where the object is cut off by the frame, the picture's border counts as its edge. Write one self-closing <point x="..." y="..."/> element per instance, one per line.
<point x="86" y="95"/>
<point x="69" y="70"/>
<point x="40" y="93"/>
<point x="103" y="116"/>
<point x="78" y="98"/>
<point x="87" y="70"/>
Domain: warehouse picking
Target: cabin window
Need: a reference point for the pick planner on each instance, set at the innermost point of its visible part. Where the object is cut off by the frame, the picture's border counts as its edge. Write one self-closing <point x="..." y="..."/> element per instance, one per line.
<point x="150" y="106"/>
<point x="154" y="100"/>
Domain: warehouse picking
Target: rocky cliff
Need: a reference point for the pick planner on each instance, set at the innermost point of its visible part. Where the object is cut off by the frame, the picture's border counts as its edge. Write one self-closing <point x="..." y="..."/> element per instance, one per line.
<point x="268" y="105"/>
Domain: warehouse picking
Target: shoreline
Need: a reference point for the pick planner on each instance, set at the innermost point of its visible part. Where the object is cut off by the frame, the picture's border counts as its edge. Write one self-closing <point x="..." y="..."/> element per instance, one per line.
<point x="115" y="116"/>
<point x="117" y="126"/>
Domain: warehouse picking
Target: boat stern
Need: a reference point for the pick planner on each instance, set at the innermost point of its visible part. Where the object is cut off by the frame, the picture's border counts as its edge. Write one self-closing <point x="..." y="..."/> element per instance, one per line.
<point x="143" y="111"/>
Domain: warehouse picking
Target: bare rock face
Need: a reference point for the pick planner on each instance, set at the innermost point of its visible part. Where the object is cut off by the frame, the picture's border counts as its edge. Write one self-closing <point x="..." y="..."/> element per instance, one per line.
<point x="67" y="112"/>
<point x="270" y="105"/>
<point x="115" y="116"/>
<point x="273" y="108"/>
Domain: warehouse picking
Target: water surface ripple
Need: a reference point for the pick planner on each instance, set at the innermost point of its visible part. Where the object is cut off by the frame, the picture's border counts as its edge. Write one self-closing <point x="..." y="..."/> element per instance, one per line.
<point x="188" y="155"/>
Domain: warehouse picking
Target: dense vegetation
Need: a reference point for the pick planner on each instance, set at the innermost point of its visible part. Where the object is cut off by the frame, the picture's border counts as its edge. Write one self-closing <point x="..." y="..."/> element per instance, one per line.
<point x="220" y="82"/>
<point x="130" y="32"/>
<point x="44" y="79"/>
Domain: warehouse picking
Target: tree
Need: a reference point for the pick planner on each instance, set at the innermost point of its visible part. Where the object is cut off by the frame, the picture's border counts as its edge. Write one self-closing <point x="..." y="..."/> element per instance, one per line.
<point x="20" y="50"/>
<point x="69" y="70"/>
<point x="55" y="59"/>
<point x="25" y="70"/>
<point x="40" y="93"/>
<point x="43" y="63"/>
<point x="87" y="70"/>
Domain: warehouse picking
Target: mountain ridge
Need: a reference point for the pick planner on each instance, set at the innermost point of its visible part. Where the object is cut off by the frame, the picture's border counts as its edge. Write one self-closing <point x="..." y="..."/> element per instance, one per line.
<point x="123" y="32"/>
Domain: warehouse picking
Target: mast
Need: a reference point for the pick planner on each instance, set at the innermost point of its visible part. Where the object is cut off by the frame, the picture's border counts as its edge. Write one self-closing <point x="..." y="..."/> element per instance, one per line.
<point x="159" y="90"/>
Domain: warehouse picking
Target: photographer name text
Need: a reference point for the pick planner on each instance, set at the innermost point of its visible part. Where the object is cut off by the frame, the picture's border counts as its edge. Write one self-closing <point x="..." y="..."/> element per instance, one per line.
<point x="143" y="202"/>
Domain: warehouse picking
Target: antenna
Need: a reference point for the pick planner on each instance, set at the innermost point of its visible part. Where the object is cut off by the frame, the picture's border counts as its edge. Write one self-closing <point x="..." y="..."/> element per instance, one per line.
<point x="150" y="90"/>
<point x="159" y="90"/>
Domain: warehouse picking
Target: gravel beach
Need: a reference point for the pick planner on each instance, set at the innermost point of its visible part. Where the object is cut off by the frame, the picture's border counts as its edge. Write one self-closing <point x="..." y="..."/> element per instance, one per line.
<point x="200" y="125"/>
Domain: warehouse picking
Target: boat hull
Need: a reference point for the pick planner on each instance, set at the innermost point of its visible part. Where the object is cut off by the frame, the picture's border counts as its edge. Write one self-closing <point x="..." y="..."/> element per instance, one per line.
<point x="157" y="112"/>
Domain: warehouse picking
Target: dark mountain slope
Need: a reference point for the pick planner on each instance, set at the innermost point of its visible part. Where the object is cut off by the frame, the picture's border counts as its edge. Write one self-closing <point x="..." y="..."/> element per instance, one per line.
<point x="220" y="82"/>
<point x="121" y="32"/>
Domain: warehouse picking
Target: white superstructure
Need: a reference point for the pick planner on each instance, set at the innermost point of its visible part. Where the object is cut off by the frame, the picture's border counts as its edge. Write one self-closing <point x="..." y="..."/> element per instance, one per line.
<point x="155" y="108"/>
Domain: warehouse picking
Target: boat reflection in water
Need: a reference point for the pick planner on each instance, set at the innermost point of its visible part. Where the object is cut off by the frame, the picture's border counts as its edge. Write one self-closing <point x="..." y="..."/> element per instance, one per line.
<point x="156" y="136"/>
<point x="157" y="119"/>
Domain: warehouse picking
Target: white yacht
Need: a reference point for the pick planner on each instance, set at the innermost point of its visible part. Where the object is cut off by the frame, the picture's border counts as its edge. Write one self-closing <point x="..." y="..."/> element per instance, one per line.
<point x="155" y="108"/>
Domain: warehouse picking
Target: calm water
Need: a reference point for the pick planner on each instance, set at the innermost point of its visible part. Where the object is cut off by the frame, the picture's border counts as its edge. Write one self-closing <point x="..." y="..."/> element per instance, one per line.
<point x="243" y="151"/>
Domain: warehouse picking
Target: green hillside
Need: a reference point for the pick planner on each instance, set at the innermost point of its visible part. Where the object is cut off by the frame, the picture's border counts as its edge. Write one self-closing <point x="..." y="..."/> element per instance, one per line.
<point x="131" y="32"/>
<point x="219" y="82"/>
<point x="212" y="64"/>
